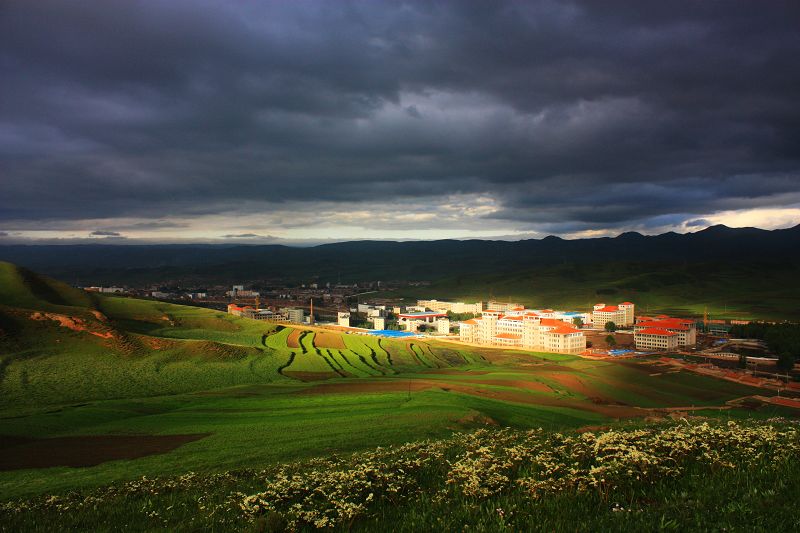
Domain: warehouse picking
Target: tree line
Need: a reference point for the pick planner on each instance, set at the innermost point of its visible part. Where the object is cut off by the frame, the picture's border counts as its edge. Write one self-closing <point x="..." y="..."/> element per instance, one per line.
<point x="782" y="339"/>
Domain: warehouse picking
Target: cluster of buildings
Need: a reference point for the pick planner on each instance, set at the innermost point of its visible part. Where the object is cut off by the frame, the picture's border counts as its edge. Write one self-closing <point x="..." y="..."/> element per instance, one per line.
<point x="286" y="314"/>
<point x="542" y="329"/>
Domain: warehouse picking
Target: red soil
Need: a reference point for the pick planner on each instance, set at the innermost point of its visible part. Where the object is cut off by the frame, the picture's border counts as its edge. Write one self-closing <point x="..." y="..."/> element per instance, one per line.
<point x="72" y="322"/>
<point x="325" y="339"/>
<point x="293" y="340"/>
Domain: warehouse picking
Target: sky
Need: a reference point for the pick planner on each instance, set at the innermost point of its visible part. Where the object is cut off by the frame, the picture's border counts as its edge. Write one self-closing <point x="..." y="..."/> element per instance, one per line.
<point x="302" y="122"/>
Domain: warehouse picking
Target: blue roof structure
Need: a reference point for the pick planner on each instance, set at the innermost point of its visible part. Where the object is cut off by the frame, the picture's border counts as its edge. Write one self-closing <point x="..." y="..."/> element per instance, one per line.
<point x="391" y="333"/>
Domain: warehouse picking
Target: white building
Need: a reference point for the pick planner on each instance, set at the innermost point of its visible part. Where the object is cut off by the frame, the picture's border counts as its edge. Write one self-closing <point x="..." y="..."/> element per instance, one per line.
<point x="293" y="314"/>
<point x="242" y="293"/>
<point x="494" y="305"/>
<point x="378" y="323"/>
<point x="343" y="318"/>
<point x="453" y="307"/>
<point x="655" y="339"/>
<point x="412" y="321"/>
<point x="443" y="326"/>
<point x="685" y="330"/>
<point x="621" y="315"/>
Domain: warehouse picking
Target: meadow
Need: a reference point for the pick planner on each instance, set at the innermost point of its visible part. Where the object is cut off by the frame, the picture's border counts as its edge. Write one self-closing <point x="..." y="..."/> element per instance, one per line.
<point x="97" y="392"/>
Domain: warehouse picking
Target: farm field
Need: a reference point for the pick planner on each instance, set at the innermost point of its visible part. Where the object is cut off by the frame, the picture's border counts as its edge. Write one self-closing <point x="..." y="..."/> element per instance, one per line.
<point x="97" y="391"/>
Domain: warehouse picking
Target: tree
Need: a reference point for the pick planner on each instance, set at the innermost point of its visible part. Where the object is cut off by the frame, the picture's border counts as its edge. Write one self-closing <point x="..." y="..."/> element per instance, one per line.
<point x="610" y="340"/>
<point x="786" y="361"/>
<point x="611" y="327"/>
<point x="578" y="321"/>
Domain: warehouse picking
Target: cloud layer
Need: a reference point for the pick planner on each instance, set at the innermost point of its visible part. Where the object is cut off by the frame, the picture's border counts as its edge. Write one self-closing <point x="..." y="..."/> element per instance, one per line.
<point x="543" y="116"/>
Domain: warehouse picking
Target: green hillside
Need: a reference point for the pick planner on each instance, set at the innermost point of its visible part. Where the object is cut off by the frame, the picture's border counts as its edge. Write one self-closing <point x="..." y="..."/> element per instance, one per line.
<point x="743" y="291"/>
<point x="101" y="389"/>
<point x="61" y="345"/>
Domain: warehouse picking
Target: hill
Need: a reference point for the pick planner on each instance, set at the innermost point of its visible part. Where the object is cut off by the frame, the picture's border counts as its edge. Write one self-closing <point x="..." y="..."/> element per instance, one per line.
<point x="100" y="389"/>
<point x="385" y="260"/>
<point x="62" y="344"/>
<point x="736" y="273"/>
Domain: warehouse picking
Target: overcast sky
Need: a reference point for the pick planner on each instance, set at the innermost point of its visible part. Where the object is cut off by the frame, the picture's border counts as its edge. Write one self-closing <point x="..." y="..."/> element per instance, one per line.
<point x="310" y="121"/>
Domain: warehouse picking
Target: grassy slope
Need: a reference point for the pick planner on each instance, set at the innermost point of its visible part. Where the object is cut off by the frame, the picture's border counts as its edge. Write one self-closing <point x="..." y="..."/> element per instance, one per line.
<point x="735" y="291"/>
<point x="761" y="497"/>
<point x="147" y="380"/>
<point x="157" y="348"/>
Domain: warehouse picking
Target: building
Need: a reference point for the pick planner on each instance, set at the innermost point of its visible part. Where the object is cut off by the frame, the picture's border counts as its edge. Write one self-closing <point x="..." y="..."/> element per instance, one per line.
<point x="494" y="305"/>
<point x="443" y="326"/>
<point x="411" y="321"/>
<point x="685" y="330"/>
<point x="378" y="323"/>
<point x="256" y="314"/>
<point x="293" y="314"/>
<point x="655" y="339"/>
<point x="622" y="315"/>
<point x="241" y="293"/>
<point x="343" y="319"/>
<point x="453" y="307"/>
<point x="525" y="328"/>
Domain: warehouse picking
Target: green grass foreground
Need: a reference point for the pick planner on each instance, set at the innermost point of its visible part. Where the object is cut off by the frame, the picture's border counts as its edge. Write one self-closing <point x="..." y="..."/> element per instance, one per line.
<point x="679" y="476"/>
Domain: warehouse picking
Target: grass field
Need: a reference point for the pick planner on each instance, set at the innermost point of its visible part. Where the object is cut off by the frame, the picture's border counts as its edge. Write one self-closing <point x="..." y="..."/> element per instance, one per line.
<point x="727" y="291"/>
<point x="96" y="391"/>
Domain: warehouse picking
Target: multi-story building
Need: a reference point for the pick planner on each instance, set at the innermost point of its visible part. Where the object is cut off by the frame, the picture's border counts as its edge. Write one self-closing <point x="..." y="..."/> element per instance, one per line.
<point x="443" y="326"/>
<point x="655" y="339"/>
<point x="525" y="328"/>
<point x="412" y="320"/>
<point x="293" y="314"/>
<point x="378" y="322"/>
<point x="256" y="314"/>
<point x="622" y="315"/>
<point x="453" y="307"/>
<point x="494" y="305"/>
<point x="343" y="319"/>
<point x="684" y="329"/>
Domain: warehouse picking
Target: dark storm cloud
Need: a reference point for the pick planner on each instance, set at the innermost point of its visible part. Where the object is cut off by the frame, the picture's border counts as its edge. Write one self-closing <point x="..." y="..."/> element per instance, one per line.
<point x="101" y="233"/>
<point x="576" y="115"/>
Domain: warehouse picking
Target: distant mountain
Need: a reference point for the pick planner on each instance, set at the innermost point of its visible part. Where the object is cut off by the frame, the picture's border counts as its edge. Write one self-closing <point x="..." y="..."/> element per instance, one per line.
<point x="387" y="260"/>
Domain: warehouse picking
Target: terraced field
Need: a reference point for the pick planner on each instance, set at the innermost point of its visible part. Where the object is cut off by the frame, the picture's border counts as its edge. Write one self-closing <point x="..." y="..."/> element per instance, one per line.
<point x="174" y="388"/>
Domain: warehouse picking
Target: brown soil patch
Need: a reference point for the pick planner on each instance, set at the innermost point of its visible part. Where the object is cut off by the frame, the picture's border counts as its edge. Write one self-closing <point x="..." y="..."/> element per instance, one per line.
<point x="571" y="382"/>
<point x="327" y="339"/>
<point x="310" y="376"/>
<point x="71" y="322"/>
<point x="455" y="371"/>
<point x="478" y="419"/>
<point x="159" y="344"/>
<point x="293" y="340"/>
<point x="18" y="453"/>
<point x="100" y="316"/>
